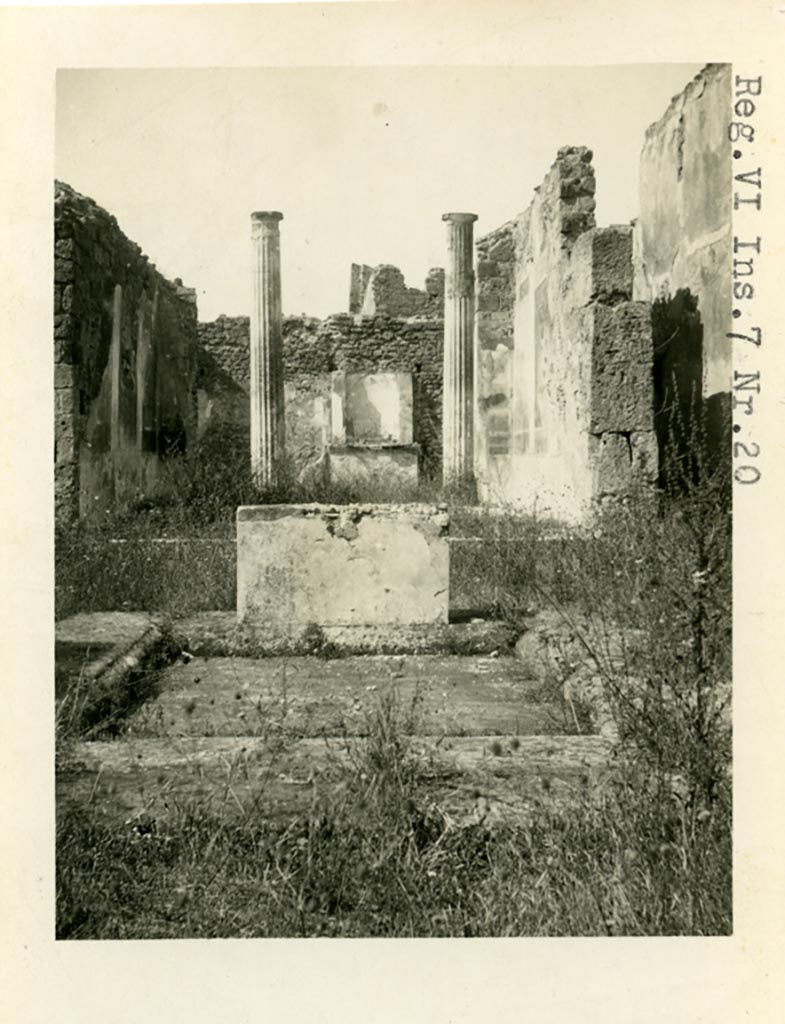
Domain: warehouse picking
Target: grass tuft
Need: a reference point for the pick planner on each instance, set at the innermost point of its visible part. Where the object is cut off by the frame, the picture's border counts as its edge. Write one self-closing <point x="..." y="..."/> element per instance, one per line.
<point x="638" y="606"/>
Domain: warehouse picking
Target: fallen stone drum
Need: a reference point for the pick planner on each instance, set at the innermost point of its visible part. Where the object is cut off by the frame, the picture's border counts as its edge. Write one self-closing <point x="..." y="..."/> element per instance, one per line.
<point x="341" y="565"/>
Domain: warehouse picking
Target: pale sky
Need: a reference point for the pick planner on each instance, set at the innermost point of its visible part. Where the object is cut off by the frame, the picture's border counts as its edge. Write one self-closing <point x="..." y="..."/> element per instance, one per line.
<point x="362" y="162"/>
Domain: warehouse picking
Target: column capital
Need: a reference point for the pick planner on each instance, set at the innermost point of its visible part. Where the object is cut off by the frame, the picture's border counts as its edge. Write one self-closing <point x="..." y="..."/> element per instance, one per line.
<point x="460" y="218"/>
<point x="265" y="216"/>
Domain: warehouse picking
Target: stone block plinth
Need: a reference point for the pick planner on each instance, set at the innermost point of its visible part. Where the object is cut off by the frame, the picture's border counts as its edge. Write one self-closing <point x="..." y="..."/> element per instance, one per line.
<point x="341" y="565"/>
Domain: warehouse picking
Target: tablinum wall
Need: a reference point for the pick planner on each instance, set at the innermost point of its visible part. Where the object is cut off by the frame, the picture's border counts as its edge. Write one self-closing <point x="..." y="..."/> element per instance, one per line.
<point x="313" y="350"/>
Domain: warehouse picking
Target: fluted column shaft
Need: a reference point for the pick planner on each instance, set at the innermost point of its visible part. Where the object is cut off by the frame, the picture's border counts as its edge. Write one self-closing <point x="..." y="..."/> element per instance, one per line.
<point x="267" y="391"/>
<point x="458" y="380"/>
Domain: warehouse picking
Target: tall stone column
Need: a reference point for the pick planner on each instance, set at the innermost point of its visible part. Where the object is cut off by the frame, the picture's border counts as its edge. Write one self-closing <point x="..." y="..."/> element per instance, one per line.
<point x="267" y="392"/>
<point x="458" y="379"/>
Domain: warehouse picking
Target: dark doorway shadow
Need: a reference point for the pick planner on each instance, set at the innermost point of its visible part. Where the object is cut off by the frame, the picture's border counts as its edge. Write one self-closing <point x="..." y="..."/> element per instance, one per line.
<point x="677" y="333"/>
<point x="693" y="430"/>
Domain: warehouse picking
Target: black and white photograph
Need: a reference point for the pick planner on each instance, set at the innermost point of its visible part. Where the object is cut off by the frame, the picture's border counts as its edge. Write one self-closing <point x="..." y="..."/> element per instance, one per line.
<point x="392" y="529"/>
<point x="393" y="502"/>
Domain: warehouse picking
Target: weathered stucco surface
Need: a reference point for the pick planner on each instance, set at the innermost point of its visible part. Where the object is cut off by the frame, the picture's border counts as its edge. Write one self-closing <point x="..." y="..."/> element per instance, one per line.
<point x="372" y="430"/>
<point x="341" y="565"/>
<point x="592" y="342"/>
<point x="683" y="232"/>
<point x="372" y="408"/>
<point x="495" y="290"/>
<point x="565" y="414"/>
<point x="125" y="354"/>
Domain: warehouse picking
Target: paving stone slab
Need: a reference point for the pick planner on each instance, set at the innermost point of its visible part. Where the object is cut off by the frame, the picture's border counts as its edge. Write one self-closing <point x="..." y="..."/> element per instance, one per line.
<point x="309" y="696"/>
<point x="102" y="628"/>
<point x="467" y="777"/>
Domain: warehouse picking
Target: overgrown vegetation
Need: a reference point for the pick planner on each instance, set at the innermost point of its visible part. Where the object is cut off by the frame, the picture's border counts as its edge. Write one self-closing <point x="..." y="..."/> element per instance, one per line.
<point x="379" y="858"/>
<point x="643" y="603"/>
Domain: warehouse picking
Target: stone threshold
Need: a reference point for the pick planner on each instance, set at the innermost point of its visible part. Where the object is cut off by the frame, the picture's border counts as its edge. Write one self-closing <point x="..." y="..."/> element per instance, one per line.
<point x="220" y="634"/>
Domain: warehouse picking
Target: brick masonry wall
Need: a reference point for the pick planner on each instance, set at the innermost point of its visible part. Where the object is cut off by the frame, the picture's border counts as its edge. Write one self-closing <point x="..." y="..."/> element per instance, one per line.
<point x="313" y="349"/>
<point x="124" y="361"/>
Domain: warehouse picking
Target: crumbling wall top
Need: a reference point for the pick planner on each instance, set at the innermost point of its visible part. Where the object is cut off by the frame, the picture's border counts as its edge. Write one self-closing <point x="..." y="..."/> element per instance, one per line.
<point x="80" y="220"/>
<point x="382" y="290"/>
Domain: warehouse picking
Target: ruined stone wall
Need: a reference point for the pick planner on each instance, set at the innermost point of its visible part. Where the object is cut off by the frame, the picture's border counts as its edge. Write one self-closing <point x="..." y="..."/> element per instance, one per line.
<point x="361" y="274"/>
<point x="564" y="412"/>
<point x="313" y="349"/>
<point x="382" y="290"/>
<point x="125" y="362"/>
<point x="683" y="249"/>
